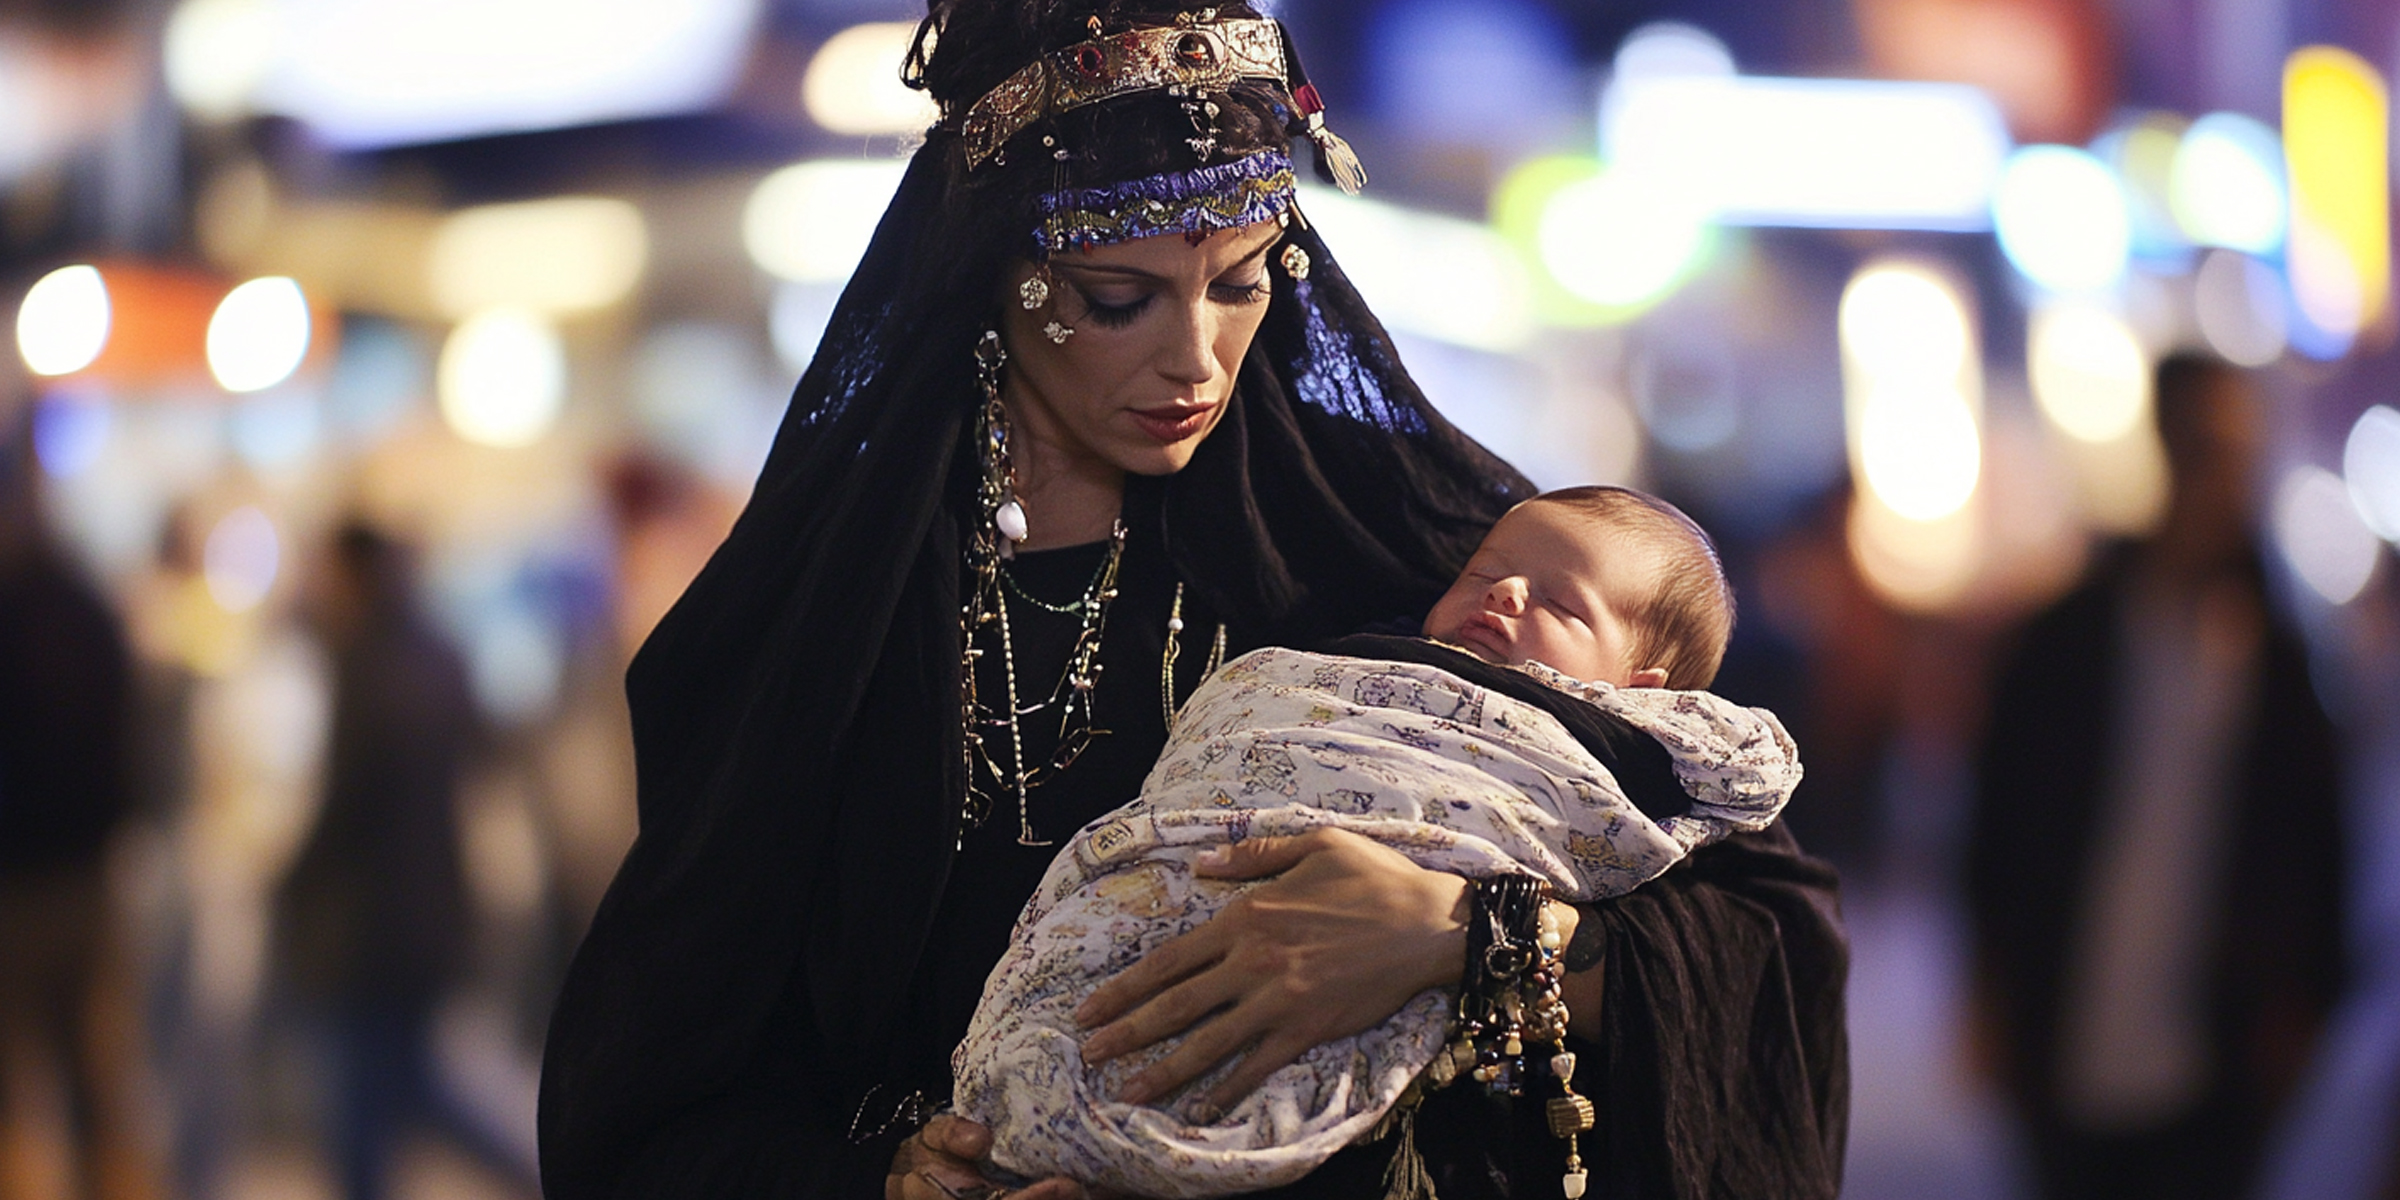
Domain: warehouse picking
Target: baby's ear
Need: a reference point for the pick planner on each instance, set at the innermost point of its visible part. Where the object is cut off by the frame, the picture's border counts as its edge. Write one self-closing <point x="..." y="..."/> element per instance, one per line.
<point x="1648" y="677"/>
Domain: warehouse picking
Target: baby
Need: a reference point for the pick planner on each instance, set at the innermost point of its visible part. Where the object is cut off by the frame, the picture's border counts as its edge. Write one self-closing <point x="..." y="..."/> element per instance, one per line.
<point x="1599" y="600"/>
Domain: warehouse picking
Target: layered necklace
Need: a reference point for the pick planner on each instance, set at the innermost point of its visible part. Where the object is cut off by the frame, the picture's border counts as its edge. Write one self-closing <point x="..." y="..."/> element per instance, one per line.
<point x="984" y="625"/>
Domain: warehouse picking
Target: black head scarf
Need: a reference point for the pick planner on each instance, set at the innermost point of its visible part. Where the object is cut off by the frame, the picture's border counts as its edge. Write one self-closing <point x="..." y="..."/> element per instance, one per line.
<point x="796" y="715"/>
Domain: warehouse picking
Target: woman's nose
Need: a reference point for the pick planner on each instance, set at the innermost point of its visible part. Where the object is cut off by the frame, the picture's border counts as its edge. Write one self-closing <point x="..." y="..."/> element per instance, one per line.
<point x="1505" y="596"/>
<point x="1191" y="357"/>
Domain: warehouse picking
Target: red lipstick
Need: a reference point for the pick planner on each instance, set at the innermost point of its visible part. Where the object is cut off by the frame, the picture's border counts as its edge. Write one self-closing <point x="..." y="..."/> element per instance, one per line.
<point x="1174" y="422"/>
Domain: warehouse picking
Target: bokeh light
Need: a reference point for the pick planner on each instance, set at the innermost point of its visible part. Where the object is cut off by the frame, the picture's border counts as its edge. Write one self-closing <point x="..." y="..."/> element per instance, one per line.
<point x="365" y="73"/>
<point x="811" y="222"/>
<point x="1918" y="566"/>
<point x="2371" y="469"/>
<point x="2322" y="537"/>
<point x="1434" y="276"/>
<point x="217" y="53"/>
<point x="502" y="378"/>
<point x="1824" y="153"/>
<point x="1920" y="451"/>
<point x="853" y="83"/>
<point x="2088" y="372"/>
<point x="1902" y="323"/>
<point x="71" y="429"/>
<point x="2239" y="304"/>
<point x="2226" y="186"/>
<point x="1620" y="240"/>
<point x="2061" y="219"/>
<point x="241" y="559"/>
<point x="259" y="335"/>
<point x="1913" y="390"/>
<point x="2337" y="118"/>
<point x="564" y="255"/>
<point x="63" y="323"/>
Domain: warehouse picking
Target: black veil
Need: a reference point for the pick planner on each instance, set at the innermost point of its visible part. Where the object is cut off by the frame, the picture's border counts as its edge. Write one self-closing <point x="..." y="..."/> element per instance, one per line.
<point x="726" y="1024"/>
<point x="796" y="715"/>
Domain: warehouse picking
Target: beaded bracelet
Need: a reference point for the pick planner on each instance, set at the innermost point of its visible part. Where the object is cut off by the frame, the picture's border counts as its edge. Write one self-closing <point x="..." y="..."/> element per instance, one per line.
<point x="1512" y="998"/>
<point x="1508" y="999"/>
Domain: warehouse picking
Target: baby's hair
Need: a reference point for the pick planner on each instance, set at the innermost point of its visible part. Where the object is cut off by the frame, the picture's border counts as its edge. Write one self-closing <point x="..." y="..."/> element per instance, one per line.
<point x="1685" y="619"/>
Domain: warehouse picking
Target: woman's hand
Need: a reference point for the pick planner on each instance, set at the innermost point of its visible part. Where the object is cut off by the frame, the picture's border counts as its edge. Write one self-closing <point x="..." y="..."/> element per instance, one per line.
<point x="939" y="1164"/>
<point x="1346" y="934"/>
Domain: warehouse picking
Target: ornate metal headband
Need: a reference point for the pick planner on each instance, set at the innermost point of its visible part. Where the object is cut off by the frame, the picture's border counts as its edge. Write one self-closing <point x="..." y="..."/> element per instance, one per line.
<point x="1197" y="53"/>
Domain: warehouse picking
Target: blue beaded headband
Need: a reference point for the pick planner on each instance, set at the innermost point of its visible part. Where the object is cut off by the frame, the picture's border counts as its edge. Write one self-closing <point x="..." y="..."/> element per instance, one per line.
<point x="1226" y="196"/>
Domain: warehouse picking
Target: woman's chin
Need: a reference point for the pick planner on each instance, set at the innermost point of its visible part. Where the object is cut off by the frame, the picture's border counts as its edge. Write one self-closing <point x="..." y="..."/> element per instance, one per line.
<point x="1159" y="458"/>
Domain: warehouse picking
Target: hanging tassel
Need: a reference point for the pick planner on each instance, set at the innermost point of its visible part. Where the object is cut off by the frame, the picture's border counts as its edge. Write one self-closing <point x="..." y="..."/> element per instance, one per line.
<point x="1337" y="163"/>
<point x="1406" y="1178"/>
<point x="1335" y="159"/>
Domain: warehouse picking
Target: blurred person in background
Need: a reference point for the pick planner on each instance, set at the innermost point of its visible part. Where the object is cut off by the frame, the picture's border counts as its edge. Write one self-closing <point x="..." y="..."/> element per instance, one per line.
<point x="2157" y="856"/>
<point x="68" y="1015"/>
<point x="373" y="918"/>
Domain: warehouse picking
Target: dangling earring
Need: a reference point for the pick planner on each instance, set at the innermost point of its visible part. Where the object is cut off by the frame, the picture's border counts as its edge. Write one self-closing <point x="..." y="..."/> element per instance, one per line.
<point x="1035" y="292"/>
<point x="999" y="487"/>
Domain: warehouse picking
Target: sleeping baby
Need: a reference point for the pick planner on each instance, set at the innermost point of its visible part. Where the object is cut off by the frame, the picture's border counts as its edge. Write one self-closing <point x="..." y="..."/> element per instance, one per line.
<point x="1602" y="602"/>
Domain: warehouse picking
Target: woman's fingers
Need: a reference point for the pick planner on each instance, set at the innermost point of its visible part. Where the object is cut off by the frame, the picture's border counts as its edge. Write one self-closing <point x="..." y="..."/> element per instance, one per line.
<point x="1155" y="971"/>
<point x="957" y="1138"/>
<point x="1207" y="1046"/>
<point x="1272" y="1054"/>
<point x="1163" y="1016"/>
<point x="1255" y="858"/>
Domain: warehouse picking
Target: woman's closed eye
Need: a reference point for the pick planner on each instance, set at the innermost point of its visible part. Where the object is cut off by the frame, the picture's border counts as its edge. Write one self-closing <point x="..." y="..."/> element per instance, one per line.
<point x="1241" y="293"/>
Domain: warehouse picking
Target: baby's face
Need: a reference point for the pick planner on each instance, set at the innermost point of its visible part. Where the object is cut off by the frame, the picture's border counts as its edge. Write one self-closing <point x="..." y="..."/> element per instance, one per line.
<point x="1538" y="589"/>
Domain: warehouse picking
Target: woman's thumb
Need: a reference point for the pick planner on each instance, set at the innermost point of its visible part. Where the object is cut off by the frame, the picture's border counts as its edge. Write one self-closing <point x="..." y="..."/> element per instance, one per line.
<point x="1253" y="858"/>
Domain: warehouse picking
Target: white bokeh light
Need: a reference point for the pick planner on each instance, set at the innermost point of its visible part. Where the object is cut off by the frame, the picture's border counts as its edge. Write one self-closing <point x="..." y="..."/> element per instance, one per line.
<point x="564" y="254"/>
<point x="216" y="54"/>
<point x="1920" y="451"/>
<point x="1617" y="239"/>
<point x="502" y="379"/>
<point x="1901" y="323"/>
<point x="2061" y="219"/>
<point x="2238" y="302"/>
<point x="241" y="558"/>
<point x="811" y="222"/>
<point x="259" y="335"/>
<point x="2371" y="468"/>
<point x="2088" y="372"/>
<point x="2323" y="539"/>
<point x="63" y="324"/>
<point x="2226" y="185"/>
<point x="853" y="84"/>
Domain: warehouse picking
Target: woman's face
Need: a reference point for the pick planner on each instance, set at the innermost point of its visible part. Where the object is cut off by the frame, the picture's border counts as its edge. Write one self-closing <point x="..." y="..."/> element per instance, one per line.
<point x="1161" y="325"/>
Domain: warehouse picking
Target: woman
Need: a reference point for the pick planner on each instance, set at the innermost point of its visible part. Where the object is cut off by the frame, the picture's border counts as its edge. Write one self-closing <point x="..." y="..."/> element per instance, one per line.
<point x="1097" y="409"/>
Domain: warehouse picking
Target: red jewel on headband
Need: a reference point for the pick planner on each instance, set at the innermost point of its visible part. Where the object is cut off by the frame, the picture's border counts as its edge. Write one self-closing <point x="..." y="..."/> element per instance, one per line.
<point x="1194" y="50"/>
<point x="1308" y="100"/>
<point x="1090" y="61"/>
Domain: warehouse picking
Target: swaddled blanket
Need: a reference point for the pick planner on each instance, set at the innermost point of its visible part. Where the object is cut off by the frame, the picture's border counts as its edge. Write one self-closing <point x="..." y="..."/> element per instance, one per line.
<point x="1457" y="777"/>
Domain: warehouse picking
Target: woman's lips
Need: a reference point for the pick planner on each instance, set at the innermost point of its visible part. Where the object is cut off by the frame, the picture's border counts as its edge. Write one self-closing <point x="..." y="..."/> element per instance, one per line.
<point x="1174" y="422"/>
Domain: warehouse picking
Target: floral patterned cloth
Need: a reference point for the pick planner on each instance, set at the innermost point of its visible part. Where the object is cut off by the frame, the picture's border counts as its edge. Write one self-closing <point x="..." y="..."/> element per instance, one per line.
<point x="1457" y="777"/>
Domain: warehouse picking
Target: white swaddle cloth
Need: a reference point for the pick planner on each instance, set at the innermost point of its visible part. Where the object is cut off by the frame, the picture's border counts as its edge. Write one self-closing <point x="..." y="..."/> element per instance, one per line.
<point x="1457" y="777"/>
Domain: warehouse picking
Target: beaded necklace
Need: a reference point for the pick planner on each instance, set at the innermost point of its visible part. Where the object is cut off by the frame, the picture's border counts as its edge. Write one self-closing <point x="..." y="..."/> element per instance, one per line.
<point x="985" y="613"/>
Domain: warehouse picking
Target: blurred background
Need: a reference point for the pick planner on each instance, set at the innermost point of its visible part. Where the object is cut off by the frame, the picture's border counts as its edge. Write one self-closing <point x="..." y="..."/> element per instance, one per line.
<point x="385" y="369"/>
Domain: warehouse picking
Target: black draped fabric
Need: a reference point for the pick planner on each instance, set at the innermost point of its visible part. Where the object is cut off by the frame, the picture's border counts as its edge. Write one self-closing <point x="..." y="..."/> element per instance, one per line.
<point x="743" y="985"/>
<point x="762" y="979"/>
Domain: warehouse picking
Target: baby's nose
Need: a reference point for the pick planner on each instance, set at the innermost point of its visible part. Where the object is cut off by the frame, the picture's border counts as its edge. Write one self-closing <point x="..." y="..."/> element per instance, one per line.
<point x="1506" y="596"/>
